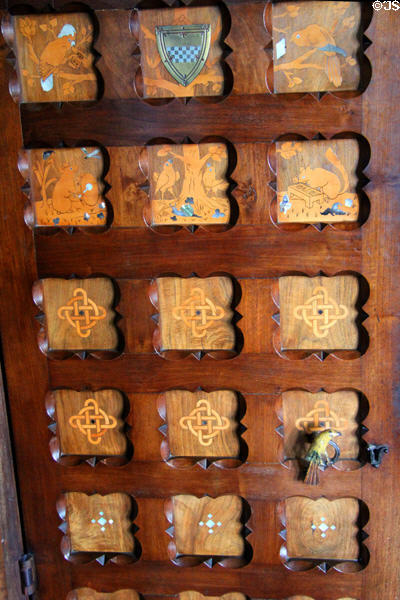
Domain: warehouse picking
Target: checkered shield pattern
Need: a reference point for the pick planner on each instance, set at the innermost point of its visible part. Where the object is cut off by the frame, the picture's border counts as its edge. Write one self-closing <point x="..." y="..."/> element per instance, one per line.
<point x="183" y="54"/>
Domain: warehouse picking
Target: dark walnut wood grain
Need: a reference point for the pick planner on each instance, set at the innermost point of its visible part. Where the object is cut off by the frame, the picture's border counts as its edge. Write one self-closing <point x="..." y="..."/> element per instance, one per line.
<point x="90" y="594"/>
<point x="206" y="528"/>
<point x="88" y="426"/>
<point x="200" y="426"/>
<point x="320" y="530"/>
<point x="194" y="314"/>
<point x="78" y="315"/>
<point x="318" y="313"/>
<point x="97" y="527"/>
<point x="255" y="252"/>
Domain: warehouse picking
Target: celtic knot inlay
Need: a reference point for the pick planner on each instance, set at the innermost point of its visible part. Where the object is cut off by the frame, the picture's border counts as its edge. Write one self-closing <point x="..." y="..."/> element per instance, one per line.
<point x="198" y="312"/>
<point x="204" y="423"/>
<point x="319" y="418"/>
<point x="93" y="421"/>
<point x="320" y="312"/>
<point x="82" y="313"/>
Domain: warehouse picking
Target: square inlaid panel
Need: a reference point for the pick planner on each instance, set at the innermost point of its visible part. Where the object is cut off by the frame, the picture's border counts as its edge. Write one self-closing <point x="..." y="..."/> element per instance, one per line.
<point x="99" y="524"/>
<point x="198" y="596"/>
<point x="305" y="414"/>
<point x="322" y="529"/>
<point x="202" y="425"/>
<point x="318" y="313"/>
<point x="89" y="594"/>
<point x="316" y="181"/>
<point x="89" y="424"/>
<point x="188" y="184"/>
<point x="66" y="187"/>
<point x="189" y="41"/>
<point x="315" y="46"/>
<point x="78" y="314"/>
<point x="195" y="313"/>
<point x="207" y="526"/>
<point x="54" y="58"/>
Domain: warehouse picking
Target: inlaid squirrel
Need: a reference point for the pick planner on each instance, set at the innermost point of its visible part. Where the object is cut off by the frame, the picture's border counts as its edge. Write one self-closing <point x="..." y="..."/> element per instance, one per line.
<point x="329" y="183"/>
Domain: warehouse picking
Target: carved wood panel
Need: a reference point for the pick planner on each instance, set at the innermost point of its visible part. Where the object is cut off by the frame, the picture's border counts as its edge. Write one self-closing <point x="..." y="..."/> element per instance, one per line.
<point x="173" y="349"/>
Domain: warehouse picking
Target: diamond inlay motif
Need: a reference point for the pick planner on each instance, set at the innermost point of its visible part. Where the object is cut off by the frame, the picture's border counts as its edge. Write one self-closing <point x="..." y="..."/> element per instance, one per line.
<point x="102" y="521"/>
<point x="323" y="527"/>
<point x="210" y="523"/>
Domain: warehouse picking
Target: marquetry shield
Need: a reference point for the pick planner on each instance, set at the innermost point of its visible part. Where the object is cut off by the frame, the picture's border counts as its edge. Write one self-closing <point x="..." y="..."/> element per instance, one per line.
<point x="183" y="50"/>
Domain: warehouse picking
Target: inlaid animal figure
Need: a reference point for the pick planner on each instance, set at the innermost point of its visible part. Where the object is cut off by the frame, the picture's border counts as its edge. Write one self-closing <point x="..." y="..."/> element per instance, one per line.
<point x="166" y="179"/>
<point x="65" y="190"/>
<point x="55" y="55"/>
<point x="331" y="184"/>
<point x="316" y="36"/>
<point x="210" y="181"/>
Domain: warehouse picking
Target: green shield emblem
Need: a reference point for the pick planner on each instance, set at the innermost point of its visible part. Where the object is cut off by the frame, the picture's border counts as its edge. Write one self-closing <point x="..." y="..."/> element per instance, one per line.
<point x="183" y="50"/>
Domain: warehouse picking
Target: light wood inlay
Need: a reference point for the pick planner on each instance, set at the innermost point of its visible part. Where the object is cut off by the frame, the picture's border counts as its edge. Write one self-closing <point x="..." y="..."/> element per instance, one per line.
<point x="188" y="184"/>
<point x="54" y="58"/>
<point x="208" y="526"/>
<point x="89" y="423"/>
<point x="316" y="181"/>
<point x="66" y="187"/>
<point x="318" y="313"/>
<point x="201" y="424"/>
<point x="315" y="46"/>
<point x="157" y="82"/>
<point x="79" y="315"/>
<point x="195" y="313"/>
<point x="322" y="529"/>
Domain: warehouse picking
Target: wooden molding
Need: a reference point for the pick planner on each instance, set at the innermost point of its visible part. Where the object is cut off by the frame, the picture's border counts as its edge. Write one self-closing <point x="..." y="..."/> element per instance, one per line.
<point x="88" y="426"/>
<point x="206" y="530"/>
<point x="78" y="316"/>
<point x="65" y="188"/>
<point x="303" y="414"/>
<point x="323" y="533"/>
<point x="97" y="528"/>
<point x="200" y="427"/>
<point x="194" y="316"/>
<point x="315" y="46"/>
<point x="54" y="59"/>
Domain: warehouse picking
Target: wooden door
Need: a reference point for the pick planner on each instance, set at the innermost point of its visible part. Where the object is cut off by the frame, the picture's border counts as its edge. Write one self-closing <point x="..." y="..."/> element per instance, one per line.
<point x="205" y="279"/>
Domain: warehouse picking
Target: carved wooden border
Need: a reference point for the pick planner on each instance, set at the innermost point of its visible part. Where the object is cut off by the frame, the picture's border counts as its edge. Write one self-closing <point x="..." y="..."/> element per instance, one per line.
<point x="364" y="204"/>
<point x="297" y="564"/>
<point x="364" y="62"/>
<point x="42" y="338"/>
<point x="180" y="354"/>
<point x="137" y="79"/>
<point x="342" y="464"/>
<point x="209" y="561"/>
<point x="204" y="463"/>
<point x="76" y="459"/>
<point x="363" y="343"/>
<point x="118" y="558"/>
<point x="145" y="187"/>
<point x="29" y="209"/>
